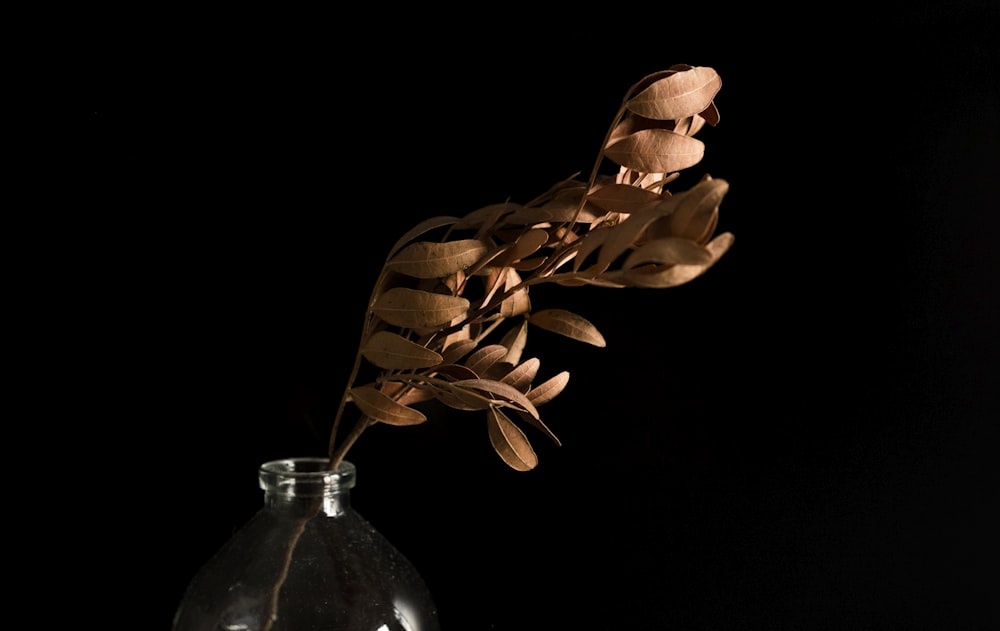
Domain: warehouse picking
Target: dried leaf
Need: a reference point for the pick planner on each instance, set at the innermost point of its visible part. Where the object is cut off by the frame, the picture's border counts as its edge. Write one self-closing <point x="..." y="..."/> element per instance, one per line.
<point x="392" y="351"/>
<point x="381" y="407"/>
<point x="668" y="251"/>
<point x="675" y="275"/>
<point x="545" y="392"/>
<point x="625" y="235"/>
<point x="501" y="393"/>
<point x="481" y="361"/>
<point x="678" y="95"/>
<point x="515" y="341"/>
<point x="487" y="215"/>
<point x="632" y="123"/>
<point x="405" y="393"/>
<point x="458" y="349"/>
<point x="656" y="151"/>
<point x="522" y="375"/>
<point x="542" y="427"/>
<point x="518" y="302"/>
<point x="569" y="324"/>
<point x="589" y="243"/>
<point x="623" y="198"/>
<point x="510" y="442"/>
<point x="412" y="308"/>
<point x="527" y="244"/>
<point x="428" y="259"/>
<point x="421" y="228"/>
<point x="697" y="209"/>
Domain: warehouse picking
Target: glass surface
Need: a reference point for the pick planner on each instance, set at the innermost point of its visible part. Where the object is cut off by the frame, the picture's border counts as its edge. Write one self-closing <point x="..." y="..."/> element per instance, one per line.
<point x="307" y="561"/>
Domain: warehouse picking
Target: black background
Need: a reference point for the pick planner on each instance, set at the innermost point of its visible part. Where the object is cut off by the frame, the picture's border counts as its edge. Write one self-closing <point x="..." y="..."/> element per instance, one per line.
<point x="803" y="438"/>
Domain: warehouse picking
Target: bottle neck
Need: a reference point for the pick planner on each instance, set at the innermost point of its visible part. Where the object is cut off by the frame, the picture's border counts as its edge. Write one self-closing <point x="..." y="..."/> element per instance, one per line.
<point x="303" y="485"/>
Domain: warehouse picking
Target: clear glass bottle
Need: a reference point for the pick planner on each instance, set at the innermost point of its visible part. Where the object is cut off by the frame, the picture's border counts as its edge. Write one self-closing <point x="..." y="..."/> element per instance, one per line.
<point x="307" y="561"/>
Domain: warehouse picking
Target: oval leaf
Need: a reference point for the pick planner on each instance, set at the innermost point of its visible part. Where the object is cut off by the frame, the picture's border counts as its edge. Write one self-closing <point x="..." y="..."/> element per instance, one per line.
<point x="522" y="375"/>
<point x="428" y="259"/>
<point x="656" y="151"/>
<point x="424" y="226"/>
<point x="677" y="95"/>
<point x="569" y="324"/>
<point x="545" y="392"/>
<point x="394" y="352"/>
<point x="509" y="442"/>
<point x="380" y="407"/>
<point x="412" y="308"/>
<point x="484" y="358"/>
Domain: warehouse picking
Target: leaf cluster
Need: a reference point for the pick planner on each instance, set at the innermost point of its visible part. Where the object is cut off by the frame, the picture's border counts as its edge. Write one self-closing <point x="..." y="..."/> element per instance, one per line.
<point x="450" y="313"/>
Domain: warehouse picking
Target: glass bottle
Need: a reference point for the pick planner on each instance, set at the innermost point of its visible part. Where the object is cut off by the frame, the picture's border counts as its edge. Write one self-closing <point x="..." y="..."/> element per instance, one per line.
<point x="307" y="561"/>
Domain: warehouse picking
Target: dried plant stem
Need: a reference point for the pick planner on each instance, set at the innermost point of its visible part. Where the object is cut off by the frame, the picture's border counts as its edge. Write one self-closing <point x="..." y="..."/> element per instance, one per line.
<point x="597" y="167"/>
<point x="360" y="426"/>
<point x="271" y="615"/>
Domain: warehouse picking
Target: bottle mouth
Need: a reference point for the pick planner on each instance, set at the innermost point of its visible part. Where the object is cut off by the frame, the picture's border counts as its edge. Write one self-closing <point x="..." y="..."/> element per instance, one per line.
<point x="305" y="476"/>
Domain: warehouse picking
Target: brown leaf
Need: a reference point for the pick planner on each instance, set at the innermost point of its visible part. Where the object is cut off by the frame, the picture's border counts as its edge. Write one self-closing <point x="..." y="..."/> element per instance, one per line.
<point x="389" y="350"/>
<point x="487" y="215"/>
<point x="588" y="244"/>
<point x="380" y="407"/>
<point x="428" y="259"/>
<point x="515" y="340"/>
<point x="527" y="244"/>
<point x="656" y="151"/>
<point x="406" y="394"/>
<point x="569" y="324"/>
<point x="624" y="236"/>
<point x="542" y="427"/>
<point x="545" y="392"/>
<point x="623" y="198"/>
<point x="480" y="361"/>
<point x="668" y="251"/>
<point x="677" y="95"/>
<point x="456" y="350"/>
<point x="698" y="209"/>
<point x="423" y="227"/>
<point x="523" y="374"/>
<point x="510" y="442"/>
<point x="412" y="308"/>
<point x="518" y="302"/>
<point x="501" y="393"/>
<point x="675" y="275"/>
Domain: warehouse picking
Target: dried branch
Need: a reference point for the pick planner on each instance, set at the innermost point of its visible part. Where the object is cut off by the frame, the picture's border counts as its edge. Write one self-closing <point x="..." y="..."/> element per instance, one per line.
<point x="451" y="284"/>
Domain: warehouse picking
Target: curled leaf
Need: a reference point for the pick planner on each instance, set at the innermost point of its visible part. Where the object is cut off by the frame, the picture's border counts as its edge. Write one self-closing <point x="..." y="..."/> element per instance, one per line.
<point x="698" y="208"/>
<point x="568" y="324"/>
<point x="390" y="350"/>
<point x="674" y="275"/>
<point x="668" y="251"/>
<point x="381" y="407"/>
<point x="509" y="441"/>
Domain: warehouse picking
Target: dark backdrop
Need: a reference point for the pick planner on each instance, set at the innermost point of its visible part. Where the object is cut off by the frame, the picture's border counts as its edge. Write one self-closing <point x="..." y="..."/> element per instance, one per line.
<point x="804" y="438"/>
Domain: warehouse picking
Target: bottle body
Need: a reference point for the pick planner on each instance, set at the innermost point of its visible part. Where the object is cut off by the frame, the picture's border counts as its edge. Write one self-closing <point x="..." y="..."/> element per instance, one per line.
<point x="307" y="561"/>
